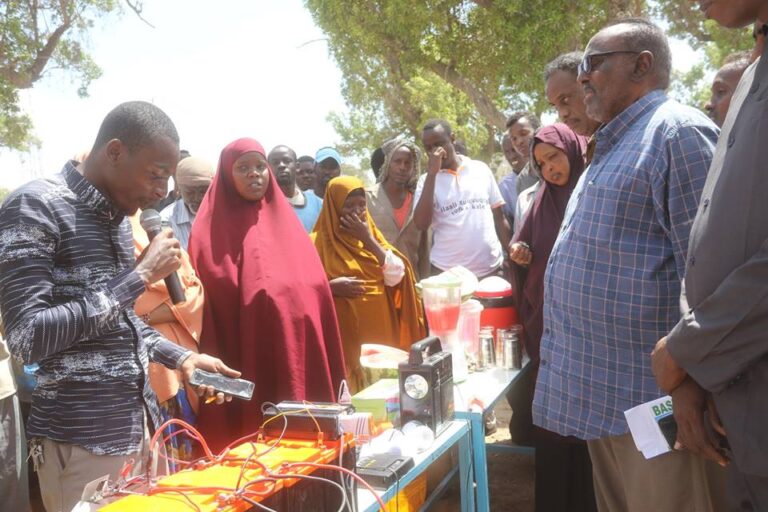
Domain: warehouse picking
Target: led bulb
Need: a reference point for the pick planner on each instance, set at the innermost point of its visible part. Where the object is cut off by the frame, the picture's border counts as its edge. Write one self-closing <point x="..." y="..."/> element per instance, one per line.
<point x="416" y="386"/>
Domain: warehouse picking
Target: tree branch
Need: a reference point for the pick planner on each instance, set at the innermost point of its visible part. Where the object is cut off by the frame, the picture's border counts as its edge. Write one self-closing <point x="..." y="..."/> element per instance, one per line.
<point x="621" y="8"/>
<point x="395" y="97"/>
<point x="136" y="7"/>
<point x="23" y="79"/>
<point x="485" y="105"/>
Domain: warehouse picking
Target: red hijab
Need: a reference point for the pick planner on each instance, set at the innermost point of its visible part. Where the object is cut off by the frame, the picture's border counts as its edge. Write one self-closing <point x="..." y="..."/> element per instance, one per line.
<point x="268" y="309"/>
<point x="541" y="226"/>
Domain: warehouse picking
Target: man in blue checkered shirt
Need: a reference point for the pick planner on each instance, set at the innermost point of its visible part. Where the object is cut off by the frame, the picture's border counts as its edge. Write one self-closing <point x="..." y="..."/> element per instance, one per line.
<point x="613" y="281"/>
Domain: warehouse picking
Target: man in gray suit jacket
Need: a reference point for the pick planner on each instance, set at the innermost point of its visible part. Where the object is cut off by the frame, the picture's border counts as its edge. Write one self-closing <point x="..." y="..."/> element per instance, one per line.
<point x="719" y="349"/>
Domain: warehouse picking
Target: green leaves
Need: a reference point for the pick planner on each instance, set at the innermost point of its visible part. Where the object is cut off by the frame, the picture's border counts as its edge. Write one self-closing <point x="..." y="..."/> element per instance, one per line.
<point x="15" y="126"/>
<point x="686" y="22"/>
<point x="39" y="36"/>
<point x="469" y="62"/>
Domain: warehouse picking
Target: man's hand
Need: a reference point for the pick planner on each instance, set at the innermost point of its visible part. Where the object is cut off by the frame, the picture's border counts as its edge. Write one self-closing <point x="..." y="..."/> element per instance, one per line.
<point x="349" y="287"/>
<point x="689" y="402"/>
<point x="161" y="257"/>
<point x="435" y="161"/>
<point x="668" y="373"/>
<point x="211" y="364"/>
<point x="520" y="253"/>
<point x="356" y="226"/>
<point x="714" y="416"/>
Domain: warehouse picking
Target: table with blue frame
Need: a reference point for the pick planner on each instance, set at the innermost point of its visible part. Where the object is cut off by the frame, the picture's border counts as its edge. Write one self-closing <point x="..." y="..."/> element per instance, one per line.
<point x="457" y="433"/>
<point x="475" y="397"/>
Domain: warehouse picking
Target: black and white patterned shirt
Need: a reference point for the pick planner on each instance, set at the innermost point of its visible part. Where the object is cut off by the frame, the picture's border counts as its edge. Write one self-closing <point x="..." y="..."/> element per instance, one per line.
<point x="67" y="290"/>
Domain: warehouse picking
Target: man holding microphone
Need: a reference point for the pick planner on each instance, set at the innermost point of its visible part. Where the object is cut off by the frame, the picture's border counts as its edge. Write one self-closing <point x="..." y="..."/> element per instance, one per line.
<point x="68" y="282"/>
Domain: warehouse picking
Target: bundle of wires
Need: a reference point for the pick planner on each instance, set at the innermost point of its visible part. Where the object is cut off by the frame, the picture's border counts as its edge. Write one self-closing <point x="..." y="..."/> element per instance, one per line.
<point x="243" y="491"/>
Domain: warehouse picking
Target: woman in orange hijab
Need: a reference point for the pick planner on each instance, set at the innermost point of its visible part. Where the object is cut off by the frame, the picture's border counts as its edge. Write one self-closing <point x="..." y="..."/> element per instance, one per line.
<point x="371" y="281"/>
<point x="180" y="323"/>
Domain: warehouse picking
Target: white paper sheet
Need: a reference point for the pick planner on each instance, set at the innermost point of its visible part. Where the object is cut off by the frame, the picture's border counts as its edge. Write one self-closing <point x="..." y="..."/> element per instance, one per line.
<point x="644" y="425"/>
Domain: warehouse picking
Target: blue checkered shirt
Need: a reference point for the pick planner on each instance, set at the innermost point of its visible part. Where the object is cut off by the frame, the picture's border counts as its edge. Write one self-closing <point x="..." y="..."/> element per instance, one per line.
<point x="613" y="279"/>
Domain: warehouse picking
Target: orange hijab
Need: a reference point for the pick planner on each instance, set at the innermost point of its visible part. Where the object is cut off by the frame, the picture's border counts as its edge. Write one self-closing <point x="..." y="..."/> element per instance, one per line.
<point x="343" y="255"/>
<point x="185" y="332"/>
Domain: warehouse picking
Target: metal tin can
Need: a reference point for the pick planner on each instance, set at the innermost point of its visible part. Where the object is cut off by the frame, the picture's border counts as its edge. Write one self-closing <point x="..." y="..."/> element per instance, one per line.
<point x="511" y="357"/>
<point x="501" y="335"/>
<point x="516" y="353"/>
<point x="487" y="329"/>
<point x="516" y="356"/>
<point x="487" y="354"/>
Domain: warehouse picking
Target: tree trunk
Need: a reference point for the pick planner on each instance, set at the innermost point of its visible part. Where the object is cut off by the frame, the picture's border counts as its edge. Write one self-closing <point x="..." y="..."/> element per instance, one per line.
<point x="24" y="78"/>
<point x="485" y="105"/>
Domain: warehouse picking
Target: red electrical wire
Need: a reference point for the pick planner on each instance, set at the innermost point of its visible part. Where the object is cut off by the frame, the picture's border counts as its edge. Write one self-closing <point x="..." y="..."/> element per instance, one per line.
<point x="237" y="442"/>
<point x="174" y="460"/>
<point x="192" y="430"/>
<point x="221" y="457"/>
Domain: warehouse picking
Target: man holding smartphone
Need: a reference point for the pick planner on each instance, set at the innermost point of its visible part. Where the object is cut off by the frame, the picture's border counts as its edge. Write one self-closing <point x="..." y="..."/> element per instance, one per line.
<point x="68" y="284"/>
<point x="459" y="199"/>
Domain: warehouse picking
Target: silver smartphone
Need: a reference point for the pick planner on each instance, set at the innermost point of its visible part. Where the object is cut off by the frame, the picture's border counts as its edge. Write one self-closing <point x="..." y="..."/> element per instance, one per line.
<point x="239" y="388"/>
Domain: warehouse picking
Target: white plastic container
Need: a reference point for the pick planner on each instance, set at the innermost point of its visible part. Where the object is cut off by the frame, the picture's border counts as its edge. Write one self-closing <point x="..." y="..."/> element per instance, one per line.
<point x="469" y="326"/>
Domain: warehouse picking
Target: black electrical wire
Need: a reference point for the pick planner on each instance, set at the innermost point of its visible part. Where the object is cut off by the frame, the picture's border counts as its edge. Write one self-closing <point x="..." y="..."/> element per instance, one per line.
<point x="344" y="501"/>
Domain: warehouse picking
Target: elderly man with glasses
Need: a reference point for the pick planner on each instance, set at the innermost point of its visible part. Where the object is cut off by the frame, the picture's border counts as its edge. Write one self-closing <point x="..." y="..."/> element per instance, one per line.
<point x="613" y="282"/>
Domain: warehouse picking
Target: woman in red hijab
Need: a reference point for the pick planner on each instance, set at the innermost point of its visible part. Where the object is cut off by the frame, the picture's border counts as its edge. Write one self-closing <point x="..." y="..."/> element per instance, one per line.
<point x="563" y="467"/>
<point x="268" y="305"/>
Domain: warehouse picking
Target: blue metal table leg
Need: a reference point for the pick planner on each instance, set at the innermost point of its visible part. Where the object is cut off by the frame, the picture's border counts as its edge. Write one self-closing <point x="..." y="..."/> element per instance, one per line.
<point x="477" y="429"/>
<point x="466" y="482"/>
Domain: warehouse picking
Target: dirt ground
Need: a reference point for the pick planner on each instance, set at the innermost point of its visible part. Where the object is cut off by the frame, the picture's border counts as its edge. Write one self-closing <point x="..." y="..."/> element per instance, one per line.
<point x="510" y="476"/>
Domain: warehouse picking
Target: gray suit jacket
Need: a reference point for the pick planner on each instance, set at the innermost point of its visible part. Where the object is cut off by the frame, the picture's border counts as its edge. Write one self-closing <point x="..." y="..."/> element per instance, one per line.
<point x="722" y="339"/>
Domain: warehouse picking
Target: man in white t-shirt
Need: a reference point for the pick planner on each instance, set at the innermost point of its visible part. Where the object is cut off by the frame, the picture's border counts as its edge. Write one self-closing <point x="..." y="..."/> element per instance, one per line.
<point x="459" y="199"/>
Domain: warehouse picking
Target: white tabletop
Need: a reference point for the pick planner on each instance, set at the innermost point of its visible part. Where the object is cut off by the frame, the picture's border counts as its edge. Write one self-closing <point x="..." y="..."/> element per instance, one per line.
<point x="483" y="388"/>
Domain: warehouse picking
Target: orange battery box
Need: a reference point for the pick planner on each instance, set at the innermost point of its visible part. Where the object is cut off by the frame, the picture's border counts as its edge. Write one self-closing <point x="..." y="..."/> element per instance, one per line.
<point x="212" y="488"/>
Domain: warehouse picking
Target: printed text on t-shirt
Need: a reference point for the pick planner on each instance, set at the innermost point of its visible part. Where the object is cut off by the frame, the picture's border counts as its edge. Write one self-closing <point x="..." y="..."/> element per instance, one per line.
<point x="457" y="207"/>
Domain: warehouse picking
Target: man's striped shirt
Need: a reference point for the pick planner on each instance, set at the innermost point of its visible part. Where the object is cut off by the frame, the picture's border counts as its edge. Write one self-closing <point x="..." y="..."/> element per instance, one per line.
<point x="67" y="290"/>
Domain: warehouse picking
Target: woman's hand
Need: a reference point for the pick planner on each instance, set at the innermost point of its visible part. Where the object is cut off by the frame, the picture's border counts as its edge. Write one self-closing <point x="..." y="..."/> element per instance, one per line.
<point x="349" y="287"/>
<point x="162" y="314"/>
<point x="520" y="253"/>
<point x="357" y="226"/>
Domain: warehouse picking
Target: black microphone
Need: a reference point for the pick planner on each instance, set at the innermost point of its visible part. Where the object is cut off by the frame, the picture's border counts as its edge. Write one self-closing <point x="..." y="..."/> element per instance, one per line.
<point x="152" y="223"/>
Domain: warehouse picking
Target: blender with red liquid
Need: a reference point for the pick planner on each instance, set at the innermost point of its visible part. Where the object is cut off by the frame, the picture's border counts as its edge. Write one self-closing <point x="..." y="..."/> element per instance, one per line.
<point x="442" y="305"/>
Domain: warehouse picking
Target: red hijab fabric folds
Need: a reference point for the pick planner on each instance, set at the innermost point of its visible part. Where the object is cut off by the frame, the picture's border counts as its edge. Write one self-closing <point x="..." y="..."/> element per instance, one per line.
<point x="269" y="310"/>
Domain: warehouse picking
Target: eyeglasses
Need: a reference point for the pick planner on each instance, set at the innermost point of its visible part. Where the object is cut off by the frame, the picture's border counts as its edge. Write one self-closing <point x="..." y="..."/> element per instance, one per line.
<point x="588" y="65"/>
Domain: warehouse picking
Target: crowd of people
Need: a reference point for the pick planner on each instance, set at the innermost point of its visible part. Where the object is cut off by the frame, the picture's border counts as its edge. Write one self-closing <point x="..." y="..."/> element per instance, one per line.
<point x="631" y="229"/>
